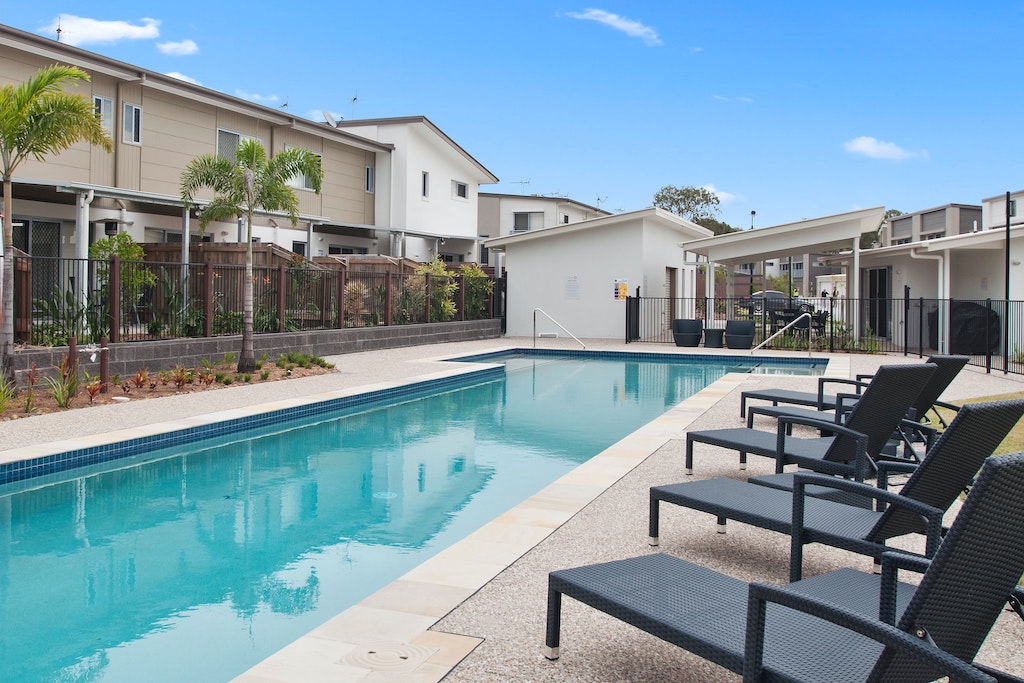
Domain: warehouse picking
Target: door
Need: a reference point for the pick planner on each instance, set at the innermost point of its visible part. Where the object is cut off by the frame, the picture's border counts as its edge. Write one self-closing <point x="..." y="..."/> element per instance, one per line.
<point x="878" y="300"/>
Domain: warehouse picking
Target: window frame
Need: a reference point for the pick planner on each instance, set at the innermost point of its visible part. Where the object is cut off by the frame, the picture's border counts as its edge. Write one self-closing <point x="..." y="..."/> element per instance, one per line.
<point x="104" y="109"/>
<point x="459" y="185"/>
<point x="131" y="125"/>
<point x="425" y="185"/>
<point x="371" y="179"/>
<point x="301" y="181"/>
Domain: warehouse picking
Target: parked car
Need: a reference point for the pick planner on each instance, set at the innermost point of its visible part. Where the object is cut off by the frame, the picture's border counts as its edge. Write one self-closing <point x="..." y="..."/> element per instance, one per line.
<point x="775" y="301"/>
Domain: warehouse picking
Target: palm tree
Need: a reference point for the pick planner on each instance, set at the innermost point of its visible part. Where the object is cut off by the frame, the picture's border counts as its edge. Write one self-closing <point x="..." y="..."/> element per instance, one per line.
<point x="242" y="186"/>
<point x="37" y="118"/>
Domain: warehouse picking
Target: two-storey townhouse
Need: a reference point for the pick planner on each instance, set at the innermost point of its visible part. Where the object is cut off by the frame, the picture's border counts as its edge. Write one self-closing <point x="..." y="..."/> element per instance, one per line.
<point x="159" y="124"/>
<point x="434" y="187"/>
<point x="510" y="214"/>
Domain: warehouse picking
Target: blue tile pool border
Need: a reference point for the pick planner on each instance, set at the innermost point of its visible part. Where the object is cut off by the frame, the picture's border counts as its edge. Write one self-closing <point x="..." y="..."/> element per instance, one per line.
<point x="94" y="455"/>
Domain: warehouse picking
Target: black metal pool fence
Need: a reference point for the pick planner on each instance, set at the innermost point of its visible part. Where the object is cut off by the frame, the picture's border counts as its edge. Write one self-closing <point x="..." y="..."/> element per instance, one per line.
<point x="990" y="331"/>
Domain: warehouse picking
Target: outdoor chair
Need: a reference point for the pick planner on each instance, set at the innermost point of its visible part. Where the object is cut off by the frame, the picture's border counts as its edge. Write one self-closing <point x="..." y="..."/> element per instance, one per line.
<point x="932" y="488"/>
<point x="841" y="626"/>
<point x="855" y="442"/>
<point x="947" y="368"/>
<point x="687" y="331"/>
<point x="739" y="334"/>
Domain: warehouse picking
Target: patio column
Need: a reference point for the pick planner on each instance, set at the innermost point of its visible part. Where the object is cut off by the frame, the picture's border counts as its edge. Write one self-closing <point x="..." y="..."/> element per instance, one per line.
<point x="855" y="310"/>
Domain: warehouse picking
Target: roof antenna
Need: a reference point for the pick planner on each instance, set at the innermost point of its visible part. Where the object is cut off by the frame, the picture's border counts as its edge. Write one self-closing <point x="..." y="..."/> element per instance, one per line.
<point x="355" y="99"/>
<point x="59" y="29"/>
<point x="522" y="185"/>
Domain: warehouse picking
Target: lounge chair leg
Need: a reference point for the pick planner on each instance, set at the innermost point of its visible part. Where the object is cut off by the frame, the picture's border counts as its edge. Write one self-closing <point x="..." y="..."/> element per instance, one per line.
<point x="743" y="460"/>
<point x="689" y="455"/>
<point x="652" y="523"/>
<point x="721" y="525"/>
<point x="554" y="624"/>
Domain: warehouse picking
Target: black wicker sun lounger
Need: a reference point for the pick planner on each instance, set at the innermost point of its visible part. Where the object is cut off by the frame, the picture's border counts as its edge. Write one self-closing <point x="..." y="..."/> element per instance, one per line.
<point x="947" y="368"/>
<point x="842" y="626"/>
<point x="856" y="442"/>
<point x="932" y="488"/>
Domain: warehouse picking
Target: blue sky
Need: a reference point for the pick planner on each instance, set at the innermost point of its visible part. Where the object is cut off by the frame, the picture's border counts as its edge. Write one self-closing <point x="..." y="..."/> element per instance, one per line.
<point x="790" y="109"/>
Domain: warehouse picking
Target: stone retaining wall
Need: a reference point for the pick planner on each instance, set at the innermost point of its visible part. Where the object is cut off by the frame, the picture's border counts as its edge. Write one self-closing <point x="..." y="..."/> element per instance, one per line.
<point x="128" y="357"/>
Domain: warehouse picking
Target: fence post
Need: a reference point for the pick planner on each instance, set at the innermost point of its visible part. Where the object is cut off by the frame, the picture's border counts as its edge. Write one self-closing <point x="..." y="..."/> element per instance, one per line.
<point x="988" y="340"/>
<point x="341" y="299"/>
<point x="427" y="304"/>
<point x="208" y="299"/>
<point x="387" y="298"/>
<point x="906" y="319"/>
<point x="920" y="327"/>
<point x="832" y="325"/>
<point x="104" y="365"/>
<point x="462" y="296"/>
<point x="115" y="298"/>
<point x="282" y="282"/>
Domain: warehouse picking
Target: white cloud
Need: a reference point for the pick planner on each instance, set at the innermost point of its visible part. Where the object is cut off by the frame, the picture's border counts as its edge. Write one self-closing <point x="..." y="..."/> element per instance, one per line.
<point x="633" y="29"/>
<point x="879" y="149"/>
<point x="724" y="197"/>
<point x="180" y="48"/>
<point x="83" y="31"/>
<point x="182" y="77"/>
<point x="256" y="97"/>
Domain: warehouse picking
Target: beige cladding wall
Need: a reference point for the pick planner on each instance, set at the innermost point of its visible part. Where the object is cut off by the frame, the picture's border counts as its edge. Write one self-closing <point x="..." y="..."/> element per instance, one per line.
<point x="177" y="129"/>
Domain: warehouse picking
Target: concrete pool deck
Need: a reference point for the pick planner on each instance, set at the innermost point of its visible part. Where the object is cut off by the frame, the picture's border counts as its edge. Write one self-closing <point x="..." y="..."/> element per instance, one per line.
<point x="475" y="612"/>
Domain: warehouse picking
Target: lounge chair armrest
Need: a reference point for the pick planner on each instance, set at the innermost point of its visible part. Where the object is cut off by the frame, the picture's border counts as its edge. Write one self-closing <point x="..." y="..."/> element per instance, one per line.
<point x="862" y="463"/>
<point x="859" y="384"/>
<point x="932" y="515"/>
<point x="947" y="406"/>
<point x="930" y="656"/>
<point x="844" y="404"/>
<point x="887" y="467"/>
<point x="892" y="562"/>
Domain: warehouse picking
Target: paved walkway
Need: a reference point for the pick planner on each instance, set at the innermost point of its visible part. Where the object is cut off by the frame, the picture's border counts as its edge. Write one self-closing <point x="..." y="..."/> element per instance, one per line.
<point x="476" y="612"/>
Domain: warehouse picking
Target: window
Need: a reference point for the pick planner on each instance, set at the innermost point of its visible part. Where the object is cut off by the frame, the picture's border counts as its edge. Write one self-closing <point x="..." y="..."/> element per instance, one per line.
<point x="337" y="249"/>
<point x="370" y="179"/>
<point x="452" y="258"/>
<point x="460" y="190"/>
<point x="301" y="181"/>
<point x="565" y="218"/>
<point x="523" y="221"/>
<point x="228" y="141"/>
<point x="132" y="124"/>
<point x="104" y="108"/>
<point x="299" y="248"/>
<point x="425" y="187"/>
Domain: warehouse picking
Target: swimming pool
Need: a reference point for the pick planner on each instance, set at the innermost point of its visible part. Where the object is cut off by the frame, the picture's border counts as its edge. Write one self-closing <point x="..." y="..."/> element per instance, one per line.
<point x="230" y="549"/>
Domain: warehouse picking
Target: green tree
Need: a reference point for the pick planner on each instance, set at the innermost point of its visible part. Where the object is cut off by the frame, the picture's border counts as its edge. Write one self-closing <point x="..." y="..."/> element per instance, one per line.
<point x="868" y="239"/>
<point x="37" y="118"/>
<point x="692" y="203"/>
<point x="242" y="186"/>
<point x="135" y="276"/>
<point x="716" y="226"/>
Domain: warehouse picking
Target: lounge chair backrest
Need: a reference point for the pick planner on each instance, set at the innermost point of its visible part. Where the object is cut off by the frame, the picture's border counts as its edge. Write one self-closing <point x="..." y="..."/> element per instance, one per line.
<point x="947" y="368"/>
<point x="878" y="412"/>
<point x="976" y="567"/>
<point x="951" y="463"/>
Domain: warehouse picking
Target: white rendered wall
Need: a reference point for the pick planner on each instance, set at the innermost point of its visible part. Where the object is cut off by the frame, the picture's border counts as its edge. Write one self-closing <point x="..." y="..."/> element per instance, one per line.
<point x="572" y="280"/>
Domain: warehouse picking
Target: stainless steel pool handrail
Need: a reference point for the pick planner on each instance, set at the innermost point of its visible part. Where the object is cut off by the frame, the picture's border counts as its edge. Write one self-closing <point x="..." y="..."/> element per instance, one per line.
<point x="538" y="310"/>
<point x="790" y="324"/>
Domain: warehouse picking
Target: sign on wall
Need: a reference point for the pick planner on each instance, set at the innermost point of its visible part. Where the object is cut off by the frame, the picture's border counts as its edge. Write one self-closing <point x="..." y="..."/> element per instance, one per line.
<point x="621" y="289"/>
<point x="572" y="287"/>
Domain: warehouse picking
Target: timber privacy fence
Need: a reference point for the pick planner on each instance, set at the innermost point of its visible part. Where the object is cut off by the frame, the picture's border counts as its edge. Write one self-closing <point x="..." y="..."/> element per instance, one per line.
<point x="990" y="331"/>
<point x="56" y="299"/>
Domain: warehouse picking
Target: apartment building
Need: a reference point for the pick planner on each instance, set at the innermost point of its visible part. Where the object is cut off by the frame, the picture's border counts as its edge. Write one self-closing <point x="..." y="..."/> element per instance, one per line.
<point x="159" y="124"/>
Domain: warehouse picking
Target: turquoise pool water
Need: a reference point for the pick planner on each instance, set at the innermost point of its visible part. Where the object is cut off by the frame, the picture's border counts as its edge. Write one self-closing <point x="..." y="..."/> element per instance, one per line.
<point x="196" y="561"/>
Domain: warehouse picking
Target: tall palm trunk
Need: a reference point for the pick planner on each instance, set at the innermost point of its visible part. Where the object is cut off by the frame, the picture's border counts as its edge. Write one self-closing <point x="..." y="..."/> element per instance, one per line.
<point x="247" y="359"/>
<point x="7" y="324"/>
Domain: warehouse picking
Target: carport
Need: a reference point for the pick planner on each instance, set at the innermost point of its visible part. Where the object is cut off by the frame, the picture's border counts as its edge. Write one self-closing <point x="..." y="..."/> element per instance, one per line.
<point x="840" y="232"/>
